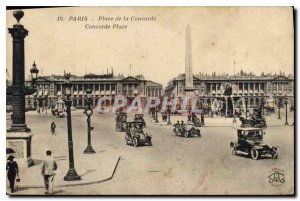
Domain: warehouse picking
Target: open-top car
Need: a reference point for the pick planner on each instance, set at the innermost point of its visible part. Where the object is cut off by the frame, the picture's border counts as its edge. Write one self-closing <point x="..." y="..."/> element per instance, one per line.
<point x="140" y="118"/>
<point x="135" y="135"/>
<point x="121" y="119"/>
<point x="250" y="143"/>
<point x="196" y="121"/>
<point x="186" y="130"/>
<point x="256" y="120"/>
<point x="253" y="122"/>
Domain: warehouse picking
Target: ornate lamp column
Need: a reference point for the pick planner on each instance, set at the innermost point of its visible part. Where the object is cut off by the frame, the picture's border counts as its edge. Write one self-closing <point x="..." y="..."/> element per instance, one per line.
<point x="279" y="106"/>
<point x="246" y="100"/>
<point x="156" y="119"/>
<point x="263" y="106"/>
<point x="88" y="111"/>
<point x="72" y="174"/>
<point x="18" y="137"/>
<point x="18" y="33"/>
<point x="286" y="111"/>
<point x="169" y="115"/>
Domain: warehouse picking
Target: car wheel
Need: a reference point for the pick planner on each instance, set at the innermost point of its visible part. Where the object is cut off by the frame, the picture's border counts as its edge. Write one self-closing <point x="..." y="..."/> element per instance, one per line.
<point x="199" y="133"/>
<point x="149" y="142"/>
<point x="135" y="142"/>
<point x="233" y="150"/>
<point x="255" y="154"/>
<point x="186" y="134"/>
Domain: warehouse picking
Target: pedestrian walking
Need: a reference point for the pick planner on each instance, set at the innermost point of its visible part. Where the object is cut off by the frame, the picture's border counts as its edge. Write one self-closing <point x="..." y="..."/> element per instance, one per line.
<point x="12" y="172"/>
<point x="53" y="126"/>
<point x="202" y="119"/>
<point x="49" y="167"/>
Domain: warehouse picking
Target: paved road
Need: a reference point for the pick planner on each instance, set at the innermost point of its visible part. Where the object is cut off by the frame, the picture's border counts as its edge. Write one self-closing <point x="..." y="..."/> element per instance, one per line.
<point x="173" y="165"/>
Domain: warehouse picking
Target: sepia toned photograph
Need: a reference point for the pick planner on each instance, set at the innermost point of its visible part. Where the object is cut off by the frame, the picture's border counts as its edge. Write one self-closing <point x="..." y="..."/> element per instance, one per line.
<point x="150" y="101"/>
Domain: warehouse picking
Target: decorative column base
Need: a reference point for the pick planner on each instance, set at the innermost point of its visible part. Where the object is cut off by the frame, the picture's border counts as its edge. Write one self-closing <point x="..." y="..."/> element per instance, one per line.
<point x="89" y="150"/>
<point x="72" y="175"/>
<point x="18" y="144"/>
<point x="18" y="128"/>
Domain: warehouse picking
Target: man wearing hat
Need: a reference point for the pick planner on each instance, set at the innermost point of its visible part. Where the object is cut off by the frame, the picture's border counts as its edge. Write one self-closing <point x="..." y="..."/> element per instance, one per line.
<point x="12" y="172"/>
<point x="49" y="167"/>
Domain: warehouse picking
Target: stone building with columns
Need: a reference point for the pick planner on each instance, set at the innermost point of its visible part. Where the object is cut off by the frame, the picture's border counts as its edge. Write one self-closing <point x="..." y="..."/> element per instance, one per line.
<point x="257" y="89"/>
<point x="50" y="89"/>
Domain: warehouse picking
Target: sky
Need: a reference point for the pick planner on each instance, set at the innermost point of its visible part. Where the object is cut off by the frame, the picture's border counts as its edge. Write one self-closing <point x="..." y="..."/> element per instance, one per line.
<point x="254" y="38"/>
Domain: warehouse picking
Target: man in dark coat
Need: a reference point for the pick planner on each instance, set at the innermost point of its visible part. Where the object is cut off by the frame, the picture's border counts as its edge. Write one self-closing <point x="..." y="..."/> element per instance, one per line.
<point x="53" y="126"/>
<point x="202" y="119"/>
<point x="12" y="171"/>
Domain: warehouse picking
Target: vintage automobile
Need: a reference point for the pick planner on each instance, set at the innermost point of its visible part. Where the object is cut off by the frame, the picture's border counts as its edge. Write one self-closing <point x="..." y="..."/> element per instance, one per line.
<point x="57" y="114"/>
<point x="140" y="118"/>
<point x="135" y="135"/>
<point x="196" y="121"/>
<point x="121" y="119"/>
<point x="181" y="129"/>
<point x="256" y="120"/>
<point x="250" y="143"/>
<point x="253" y="122"/>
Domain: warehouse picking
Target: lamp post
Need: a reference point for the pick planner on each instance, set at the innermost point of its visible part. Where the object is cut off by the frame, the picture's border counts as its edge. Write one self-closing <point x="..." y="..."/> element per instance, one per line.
<point x="246" y="100"/>
<point x="156" y="119"/>
<point x="286" y="110"/>
<point x="18" y="136"/>
<point x="279" y="105"/>
<point x="263" y="106"/>
<point x="34" y="71"/>
<point x="71" y="174"/>
<point x="169" y="114"/>
<point x="89" y="111"/>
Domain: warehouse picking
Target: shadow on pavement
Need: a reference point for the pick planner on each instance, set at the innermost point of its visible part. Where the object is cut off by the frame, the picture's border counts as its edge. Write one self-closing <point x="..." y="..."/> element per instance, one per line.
<point x="57" y="192"/>
<point x="88" y="171"/>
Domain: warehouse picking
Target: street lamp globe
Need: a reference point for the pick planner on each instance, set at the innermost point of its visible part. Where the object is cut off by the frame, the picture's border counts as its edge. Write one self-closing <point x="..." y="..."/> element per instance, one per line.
<point x="67" y="88"/>
<point x="89" y="112"/>
<point x="34" y="71"/>
<point x="89" y="95"/>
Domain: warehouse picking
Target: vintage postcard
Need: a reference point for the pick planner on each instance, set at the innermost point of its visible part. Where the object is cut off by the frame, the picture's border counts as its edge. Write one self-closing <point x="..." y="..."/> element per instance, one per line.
<point x="150" y="101"/>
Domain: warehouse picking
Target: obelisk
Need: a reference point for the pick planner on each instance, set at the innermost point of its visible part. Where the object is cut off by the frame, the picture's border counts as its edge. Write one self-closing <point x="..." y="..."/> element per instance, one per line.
<point x="189" y="87"/>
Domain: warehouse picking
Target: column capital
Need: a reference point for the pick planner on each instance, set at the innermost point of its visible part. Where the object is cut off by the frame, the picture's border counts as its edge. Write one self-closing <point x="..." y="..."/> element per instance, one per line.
<point x="18" y="31"/>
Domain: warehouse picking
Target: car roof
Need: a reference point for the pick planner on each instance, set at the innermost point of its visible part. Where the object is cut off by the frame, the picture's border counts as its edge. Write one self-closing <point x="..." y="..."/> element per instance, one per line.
<point x="249" y="129"/>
